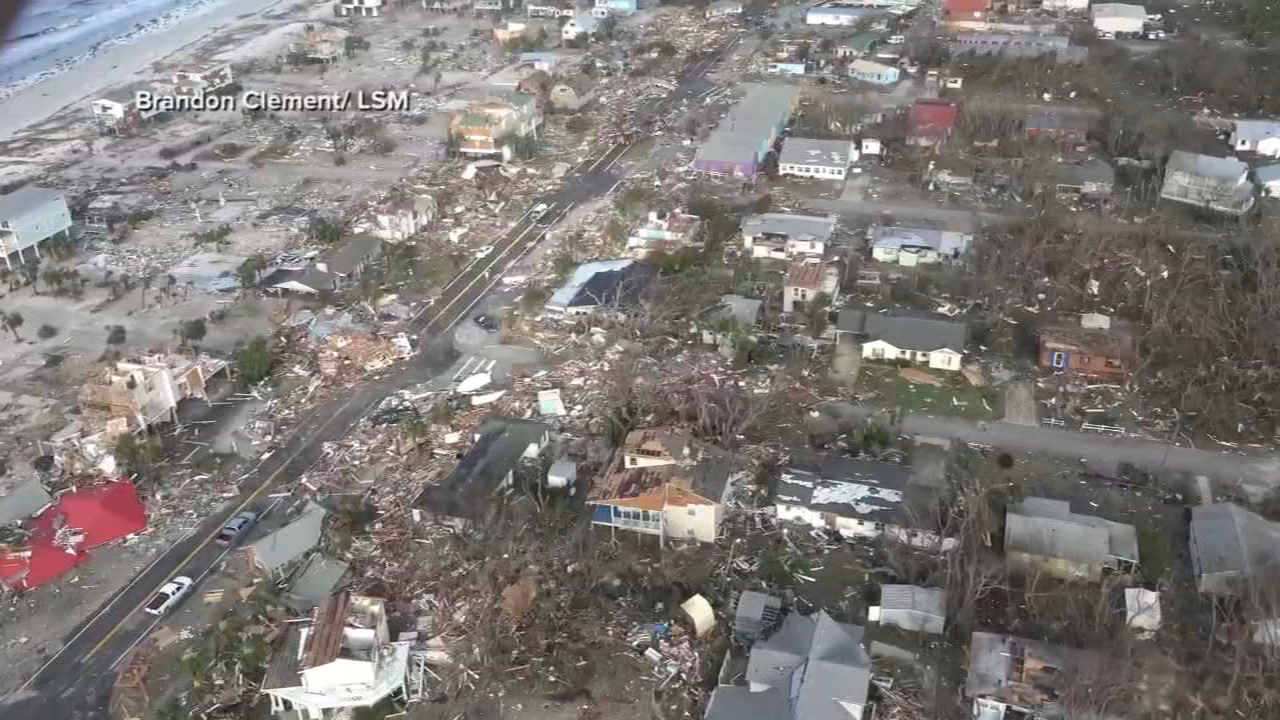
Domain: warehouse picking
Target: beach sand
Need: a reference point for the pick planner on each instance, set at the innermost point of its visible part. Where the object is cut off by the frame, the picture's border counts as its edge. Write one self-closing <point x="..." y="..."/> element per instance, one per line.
<point x="122" y="64"/>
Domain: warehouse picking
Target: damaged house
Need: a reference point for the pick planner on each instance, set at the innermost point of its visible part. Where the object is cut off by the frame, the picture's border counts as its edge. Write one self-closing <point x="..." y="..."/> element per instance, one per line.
<point x="276" y="553"/>
<point x="399" y="218"/>
<point x="146" y="392"/>
<point x="1093" y="179"/>
<point x="810" y="668"/>
<point x="336" y="268"/>
<point x="203" y="79"/>
<point x="666" y="232"/>
<point x="1213" y="183"/>
<point x="782" y="236"/>
<point x="931" y="122"/>
<point x="860" y="499"/>
<point x="116" y="113"/>
<point x="1011" y="678"/>
<point x="320" y="44"/>
<point x="1097" y="346"/>
<point x="806" y="281"/>
<point x="573" y="93"/>
<point x="1232" y="547"/>
<point x="1043" y="534"/>
<point x="663" y="483"/>
<point x="496" y="127"/>
<point x="341" y="659"/>
<point x="616" y="284"/>
<point x="926" y="340"/>
<point x="503" y="452"/>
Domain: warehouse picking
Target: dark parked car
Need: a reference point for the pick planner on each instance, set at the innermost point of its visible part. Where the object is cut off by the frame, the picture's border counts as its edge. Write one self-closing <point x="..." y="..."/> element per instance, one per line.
<point x="236" y="528"/>
<point x="486" y="322"/>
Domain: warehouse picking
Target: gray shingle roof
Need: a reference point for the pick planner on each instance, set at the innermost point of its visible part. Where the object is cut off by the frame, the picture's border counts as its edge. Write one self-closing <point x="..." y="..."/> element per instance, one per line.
<point x="25" y="199"/>
<point x="773" y="660"/>
<point x="352" y="254"/>
<point x="905" y="332"/>
<point x="475" y="480"/>
<point x="1048" y="528"/>
<point x="1231" y="539"/>
<point x="806" y="151"/>
<point x="1220" y="168"/>
<point x="846" y="486"/>
<point x="1255" y="130"/>
<point x="23" y="500"/>
<point x="291" y="541"/>
<point x="314" y="581"/>
<point x="929" y="601"/>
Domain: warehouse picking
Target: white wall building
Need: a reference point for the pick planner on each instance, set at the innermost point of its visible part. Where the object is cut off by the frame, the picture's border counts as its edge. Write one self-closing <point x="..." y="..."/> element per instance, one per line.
<point x="822" y="159"/>
<point x="341" y="660"/>
<point x="400" y="218"/>
<point x="917" y="246"/>
<point x="806" y="280"/>
<point x="579" y="25"/>
<point x="1065" y="5"/>
<point x="781" y="236"/>
<point x="1257" y="136"/>
<point x="359" y="8"/>
<point x="29" y="216"/>
<point x="1118" y="19"/>
<point x="937" y="344"/>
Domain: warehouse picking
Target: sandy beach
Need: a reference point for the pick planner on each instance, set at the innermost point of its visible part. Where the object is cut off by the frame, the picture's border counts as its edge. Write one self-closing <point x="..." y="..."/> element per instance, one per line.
<point x="121" y="64"/>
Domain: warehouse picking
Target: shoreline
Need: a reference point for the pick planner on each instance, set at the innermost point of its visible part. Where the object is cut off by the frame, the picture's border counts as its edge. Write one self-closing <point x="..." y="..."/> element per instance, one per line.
<point x="122" y="62"/>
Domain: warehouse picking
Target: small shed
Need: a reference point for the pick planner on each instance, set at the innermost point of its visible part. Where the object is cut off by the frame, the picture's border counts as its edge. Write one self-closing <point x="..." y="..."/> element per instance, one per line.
<point x="1142" y="611"/>
<point x="755" y="615"/>
<point x="912" y="608"/>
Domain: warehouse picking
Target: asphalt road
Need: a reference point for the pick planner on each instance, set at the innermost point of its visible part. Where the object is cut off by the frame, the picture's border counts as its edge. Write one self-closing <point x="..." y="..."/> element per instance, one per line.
<point x="76" y="682"/>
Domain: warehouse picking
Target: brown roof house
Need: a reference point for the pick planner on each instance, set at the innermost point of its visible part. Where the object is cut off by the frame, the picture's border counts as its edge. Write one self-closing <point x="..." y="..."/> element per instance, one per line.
<point x="573" y="93"/>
<point x="806" y="280"/>
<point x="1096" y="347"/>
<point x="341" y="659"/>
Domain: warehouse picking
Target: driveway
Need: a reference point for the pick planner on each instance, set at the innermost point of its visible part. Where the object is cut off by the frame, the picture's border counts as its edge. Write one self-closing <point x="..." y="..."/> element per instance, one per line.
<point x="1252" y="470"/>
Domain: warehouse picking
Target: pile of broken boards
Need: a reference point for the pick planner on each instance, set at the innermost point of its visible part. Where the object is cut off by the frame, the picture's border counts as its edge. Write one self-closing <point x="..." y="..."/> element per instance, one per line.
<point x="344" y="347"/>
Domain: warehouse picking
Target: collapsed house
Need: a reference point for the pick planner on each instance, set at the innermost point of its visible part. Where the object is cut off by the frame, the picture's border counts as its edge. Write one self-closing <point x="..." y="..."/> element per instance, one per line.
<point x="1098" y="346"/>
<point x="1011" y="677"/>
<point x="1214" y="183"/>
<point x="336" y="269"/>
<point x="60" y="538"/>
<point x="203" y="79"/>
<point x="138" y="395"/>
<point x="608" y="284"/>
<point x="341" y="659"/>
<point x="1043" y="534"/>
<point x="504" y="452"/>
<point x="1257" y="136"/>
<point x="812" y="667"/>
<point x="666" y="232"/>
<point x="398" y="218"/>
<point x="806" y="282"/>
<point x="663" y="483"/>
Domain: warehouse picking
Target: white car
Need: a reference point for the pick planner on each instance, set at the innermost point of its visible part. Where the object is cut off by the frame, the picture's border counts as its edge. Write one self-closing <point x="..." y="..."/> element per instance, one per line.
<point x="896" y="39"/>
<point x="169" y="595"/>
<point x="538" y="211"/>
<point x="483" y="252"/>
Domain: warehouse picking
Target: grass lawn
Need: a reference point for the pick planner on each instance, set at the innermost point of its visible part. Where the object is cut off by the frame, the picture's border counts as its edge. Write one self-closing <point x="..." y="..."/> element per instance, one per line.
<point x="956" y="397"/>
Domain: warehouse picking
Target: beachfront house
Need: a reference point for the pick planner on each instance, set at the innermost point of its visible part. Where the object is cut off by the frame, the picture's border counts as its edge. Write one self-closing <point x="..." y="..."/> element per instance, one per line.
<point x="28" y="216"/>
<point x="201" y="79"/>
<point x="117" y="113"/>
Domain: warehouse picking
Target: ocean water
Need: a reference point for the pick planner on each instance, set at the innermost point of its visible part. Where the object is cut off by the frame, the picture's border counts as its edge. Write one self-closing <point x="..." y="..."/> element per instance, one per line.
<point x="53" y="34"/>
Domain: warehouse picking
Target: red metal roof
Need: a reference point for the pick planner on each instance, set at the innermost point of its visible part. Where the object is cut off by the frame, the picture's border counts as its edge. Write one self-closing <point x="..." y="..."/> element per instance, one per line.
<point x="968" y="7"/>
<point x="103" y="513"/>
<point x="933" y="118"/>
<point x="805" y="275"/>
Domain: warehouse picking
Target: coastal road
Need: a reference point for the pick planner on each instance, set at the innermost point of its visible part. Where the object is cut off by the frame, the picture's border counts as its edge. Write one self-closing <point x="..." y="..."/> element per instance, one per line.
<point x="76" y="682"/>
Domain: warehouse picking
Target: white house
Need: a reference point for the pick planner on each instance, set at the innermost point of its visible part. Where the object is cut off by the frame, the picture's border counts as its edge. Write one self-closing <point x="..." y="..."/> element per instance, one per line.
<point x="806" y="280"/>
<point x="822" y="159"/>
<point x="29" y="216"/>
<point x="870" y="146"/>
<point x="724" y="8"/>
<point x="1065" y="5"/>
<point x="1257" y="136"/>
<point x="340" y="660"/>
<point x="1117" y="19"/>
<point x="912" y="608"/>
<point x="667" y="232"/>
<point x="579" y="25"/>
<point x="399" y="218"/>
<point x="781" y="236"/>
<point x="359" y="8"/>
<point x="938" y="344"/>
<point x="916" y="246"/>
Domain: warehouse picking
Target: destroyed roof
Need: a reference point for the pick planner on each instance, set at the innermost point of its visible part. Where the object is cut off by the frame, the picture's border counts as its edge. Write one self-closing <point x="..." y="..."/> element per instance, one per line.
<point x="806" y="151"/>
<point x="1095" y="170"/>
<point x="796" y="227"/>
<point x="581" y="83"/>
<point x="350" y="255"/>
<point x="1021" y="672"/>
<point x="860" y="41"/>
<point x="1115" y="340"/>
<point x="282" y="672"/>
<point x="23" y="499"/>
<point x="25" y="199"/>
<point x="703" y="478"/>
<point x="905" y="237"/>
<point x="292" y="540"/>
<point x="1231" y="539"/>
<point x="1047" y="528"/>
<point x="745" y="310"/>
<point x="930" y="601"/>
<point x="933" y="118"/>
<point x="1227" y="169"/>
<point x="314" y="581"/>
<point x="752" y="607"/>
<point x="501" y="443"/>
<point x="1255" y="130"/>
<point x="1052" y="120"/>
<point x="805" y="275"/>
<point x="325" y="635"/>
<point x="602" y="283"/>
<point x="848" y="487"/>
<point x="907" y="332"/>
